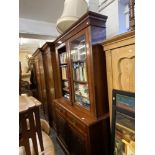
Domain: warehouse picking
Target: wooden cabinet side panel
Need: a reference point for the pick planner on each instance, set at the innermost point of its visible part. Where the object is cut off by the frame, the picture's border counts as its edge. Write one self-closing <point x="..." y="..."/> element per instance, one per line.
<point x="100" y="137"/>
<point x="48" y="70"/>
<point x="101" y="91"/>
<point x="43" y="86"/>
<point x="37" y="72"/>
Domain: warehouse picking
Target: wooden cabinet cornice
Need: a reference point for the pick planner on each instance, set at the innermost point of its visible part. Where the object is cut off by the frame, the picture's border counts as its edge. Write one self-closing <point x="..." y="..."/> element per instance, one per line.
<point x="89" y="19"/>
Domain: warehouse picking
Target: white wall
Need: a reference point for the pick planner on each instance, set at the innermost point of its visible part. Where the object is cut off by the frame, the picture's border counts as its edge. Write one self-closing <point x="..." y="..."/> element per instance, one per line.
<point x="110" y="9"/>
<point x="37" y="27"/>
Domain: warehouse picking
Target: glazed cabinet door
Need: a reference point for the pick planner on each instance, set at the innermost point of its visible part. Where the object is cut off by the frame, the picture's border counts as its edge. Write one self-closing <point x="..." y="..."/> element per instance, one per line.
<point x="63" y="72"/>
<point x="79" y="58"/>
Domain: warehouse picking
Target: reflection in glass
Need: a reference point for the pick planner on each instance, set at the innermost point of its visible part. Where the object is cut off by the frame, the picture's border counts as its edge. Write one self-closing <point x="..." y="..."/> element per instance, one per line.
<point x="78" y="58"/>
<point x="78" y="49"/>
<point x="82" y="95"/>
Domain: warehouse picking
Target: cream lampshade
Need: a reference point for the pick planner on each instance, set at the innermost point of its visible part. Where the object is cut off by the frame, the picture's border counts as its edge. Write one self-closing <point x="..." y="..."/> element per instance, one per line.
<point x="73" y="10"/>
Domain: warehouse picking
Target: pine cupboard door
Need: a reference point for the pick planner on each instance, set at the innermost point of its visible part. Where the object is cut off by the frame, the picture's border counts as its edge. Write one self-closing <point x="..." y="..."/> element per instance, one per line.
<point x="123" y="68"/>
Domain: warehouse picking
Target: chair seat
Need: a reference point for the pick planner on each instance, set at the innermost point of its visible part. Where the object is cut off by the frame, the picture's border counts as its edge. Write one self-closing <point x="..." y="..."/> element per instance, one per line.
<point x="48" y="146"/>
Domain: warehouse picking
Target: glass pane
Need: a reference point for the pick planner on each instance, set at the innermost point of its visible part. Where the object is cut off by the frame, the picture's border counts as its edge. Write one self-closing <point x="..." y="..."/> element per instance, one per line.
<point x="78" y="59"/>
<point x="78" y="49"/>
<point x="63" y="58"/>
<point x="79" y="71"/>
<point x="64" y="72"/>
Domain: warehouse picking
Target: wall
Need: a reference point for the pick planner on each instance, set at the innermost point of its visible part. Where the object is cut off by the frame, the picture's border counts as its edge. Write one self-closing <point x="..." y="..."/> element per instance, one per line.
<point x="110" y="9"/>
<point x="27" y="46"/>
<point x="24" y="65"/>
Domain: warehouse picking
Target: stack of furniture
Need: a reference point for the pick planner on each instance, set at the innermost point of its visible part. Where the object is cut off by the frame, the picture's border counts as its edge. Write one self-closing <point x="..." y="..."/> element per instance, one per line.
<point x="81" y="105"/>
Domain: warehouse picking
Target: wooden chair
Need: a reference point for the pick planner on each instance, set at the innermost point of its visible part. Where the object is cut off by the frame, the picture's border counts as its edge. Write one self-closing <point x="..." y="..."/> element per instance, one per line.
<point x="29" y="121"/>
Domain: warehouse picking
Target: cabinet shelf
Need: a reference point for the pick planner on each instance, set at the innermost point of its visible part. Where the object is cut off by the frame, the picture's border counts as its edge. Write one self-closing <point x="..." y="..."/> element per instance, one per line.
<point x="63" y="64"/>
<point x="80" y="61"/>
<point x="82" y="96"/>
<point x="64" y="79"/>
<point x="81" y="105"/>
<point x="81" y="82"/>
<point x="67" y="90"/>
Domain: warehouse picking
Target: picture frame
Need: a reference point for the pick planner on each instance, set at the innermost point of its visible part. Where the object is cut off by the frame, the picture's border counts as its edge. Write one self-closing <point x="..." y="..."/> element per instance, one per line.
<point x="123" y="123"/>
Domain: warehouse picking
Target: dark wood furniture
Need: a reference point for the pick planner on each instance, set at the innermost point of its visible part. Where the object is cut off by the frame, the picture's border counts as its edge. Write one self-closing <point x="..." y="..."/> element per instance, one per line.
<point x="48" y="53"/>
<point x="29" y="120"/>
<point x="81" y="105"/>
<point x="33" y="78"/>
<point x="39" y="74"/>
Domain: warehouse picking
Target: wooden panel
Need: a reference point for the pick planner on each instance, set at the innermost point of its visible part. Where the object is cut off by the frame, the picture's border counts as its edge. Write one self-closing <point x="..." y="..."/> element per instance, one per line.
<point x="42" y="77"/>
<point x="76" y="123"/>
<point x="61" y="128"/>
<point x="120" y="63"/>
<point x="47" y="50"/>
<point x="76" y="143"/>
<point x="123" y="68"/>
<point x="39" y="71"/>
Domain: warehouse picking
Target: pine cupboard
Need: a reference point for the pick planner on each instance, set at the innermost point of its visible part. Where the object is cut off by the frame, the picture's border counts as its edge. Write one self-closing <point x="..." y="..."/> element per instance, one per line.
<point x="81" y="104"/>
<point x="120" y="63"/>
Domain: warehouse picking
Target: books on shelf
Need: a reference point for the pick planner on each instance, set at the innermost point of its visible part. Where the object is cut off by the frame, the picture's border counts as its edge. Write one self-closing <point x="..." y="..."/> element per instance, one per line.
<point x="63" y="58"/>
<point x="78" y="53"/>
<point x="79" y="71"/>
<point x="82" y="90"/>
<point x="65" y="84"/>
<point x="66" y="96"/>
<point x="64" y="72"/>
<point x="82" y="101"/>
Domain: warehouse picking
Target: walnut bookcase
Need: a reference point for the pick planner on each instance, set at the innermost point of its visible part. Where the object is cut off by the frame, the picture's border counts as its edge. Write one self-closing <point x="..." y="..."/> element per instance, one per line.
<point x="81" y="104"/>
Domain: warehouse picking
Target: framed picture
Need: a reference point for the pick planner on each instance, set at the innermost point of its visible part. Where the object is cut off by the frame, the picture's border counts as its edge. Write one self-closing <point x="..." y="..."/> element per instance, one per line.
<point x="123" y="123"/>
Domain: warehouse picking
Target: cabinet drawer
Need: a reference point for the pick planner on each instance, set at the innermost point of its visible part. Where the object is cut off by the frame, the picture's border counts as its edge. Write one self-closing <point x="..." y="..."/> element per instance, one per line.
<point x="76" y="123"/>
<point x="60" y="110"/>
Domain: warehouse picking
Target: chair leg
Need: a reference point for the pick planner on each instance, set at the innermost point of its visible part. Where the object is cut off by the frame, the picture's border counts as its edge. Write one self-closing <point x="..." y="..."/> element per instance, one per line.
<point x="40" y="141"/>
<point x="27" y="147"/>
<point x="34" y="141"/>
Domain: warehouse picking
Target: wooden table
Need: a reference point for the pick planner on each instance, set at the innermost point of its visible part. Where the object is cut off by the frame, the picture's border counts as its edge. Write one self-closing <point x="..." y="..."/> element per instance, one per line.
<point x="29" y="123"/>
